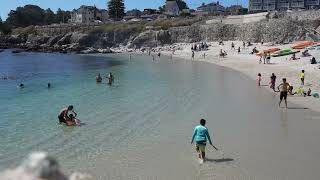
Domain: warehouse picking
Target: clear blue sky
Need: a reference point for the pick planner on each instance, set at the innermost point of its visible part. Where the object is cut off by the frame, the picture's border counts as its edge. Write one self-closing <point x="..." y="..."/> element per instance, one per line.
<point x="7" y="5"/>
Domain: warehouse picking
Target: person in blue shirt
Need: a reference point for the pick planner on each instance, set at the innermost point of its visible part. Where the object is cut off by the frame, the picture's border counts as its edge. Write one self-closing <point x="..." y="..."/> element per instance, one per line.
<point x="200" y="136"/>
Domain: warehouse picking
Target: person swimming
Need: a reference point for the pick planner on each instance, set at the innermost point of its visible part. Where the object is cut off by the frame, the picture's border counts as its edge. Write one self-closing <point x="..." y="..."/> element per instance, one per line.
<point x="21" y="86"/>
<point x="49" y="85"/>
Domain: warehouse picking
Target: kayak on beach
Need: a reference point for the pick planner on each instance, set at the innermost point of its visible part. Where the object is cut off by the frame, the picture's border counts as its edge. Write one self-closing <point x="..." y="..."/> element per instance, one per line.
<point x="284" y="52"/>
<point x="315" y="47"/>
<point x="267" y="51"/>
<point x="302" y="44"/>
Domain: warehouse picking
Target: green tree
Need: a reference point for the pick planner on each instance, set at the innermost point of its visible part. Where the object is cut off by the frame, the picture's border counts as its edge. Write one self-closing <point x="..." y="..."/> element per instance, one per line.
<point x="26" y="16"/>
<point x="116" y="9"/>
<point x="49" y="16"/>
<point x="62" y="16"/>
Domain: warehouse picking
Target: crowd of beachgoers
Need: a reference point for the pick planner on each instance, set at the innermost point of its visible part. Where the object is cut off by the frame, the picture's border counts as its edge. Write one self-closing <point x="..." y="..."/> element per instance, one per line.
<point x="267" y="63"/>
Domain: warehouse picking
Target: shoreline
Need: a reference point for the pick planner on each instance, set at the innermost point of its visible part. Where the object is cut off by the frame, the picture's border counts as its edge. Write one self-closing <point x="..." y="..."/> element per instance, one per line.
<point x="248" y="65"/>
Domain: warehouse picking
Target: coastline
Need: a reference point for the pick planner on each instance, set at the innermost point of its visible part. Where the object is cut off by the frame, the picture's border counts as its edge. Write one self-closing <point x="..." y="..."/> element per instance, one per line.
<point x="248" y="65"/>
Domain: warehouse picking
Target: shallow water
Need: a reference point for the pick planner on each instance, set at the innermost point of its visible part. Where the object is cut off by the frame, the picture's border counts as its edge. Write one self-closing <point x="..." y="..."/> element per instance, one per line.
<point x="140" y="128"/>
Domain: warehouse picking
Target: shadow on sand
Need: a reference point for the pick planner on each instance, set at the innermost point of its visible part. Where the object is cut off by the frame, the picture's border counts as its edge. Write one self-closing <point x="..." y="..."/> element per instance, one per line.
<point x="219" y="160"/>
<point x="297" y="108"/>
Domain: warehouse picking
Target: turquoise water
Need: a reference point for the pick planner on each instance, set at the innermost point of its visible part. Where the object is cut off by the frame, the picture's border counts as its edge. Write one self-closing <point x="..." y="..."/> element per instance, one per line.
<point x="140" y="128"/>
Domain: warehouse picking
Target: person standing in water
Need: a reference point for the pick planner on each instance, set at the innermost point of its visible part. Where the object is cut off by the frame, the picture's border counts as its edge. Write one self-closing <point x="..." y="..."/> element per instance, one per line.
<point x="302" y="76"/>
<point x="110" y="78"/>
<point x="192" y="55"/>
<point x="200" y="136"/>
<point x="284" y="91"/>
<point x="98" y="78"/>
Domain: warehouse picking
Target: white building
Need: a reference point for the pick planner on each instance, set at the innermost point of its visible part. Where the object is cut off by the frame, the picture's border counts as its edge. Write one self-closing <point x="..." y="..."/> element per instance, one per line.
<point x="212" y="8"/>
<point x="88" y="14"/>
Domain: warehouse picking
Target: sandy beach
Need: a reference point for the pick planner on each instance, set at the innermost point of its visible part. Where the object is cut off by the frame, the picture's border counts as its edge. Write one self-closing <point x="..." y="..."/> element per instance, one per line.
<point x="248" y="64"/>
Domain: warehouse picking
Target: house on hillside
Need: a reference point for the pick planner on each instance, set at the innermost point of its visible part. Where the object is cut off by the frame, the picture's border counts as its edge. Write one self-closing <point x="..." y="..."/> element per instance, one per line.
<point x="282" y="5"/>
<point x="88" y="14"/>
<point x="172" y="8"/>
<point x="212" y="8"/>
<point x="236" y="10"/>
<point x="134" y="13"/>
<point x="150" y="11"/>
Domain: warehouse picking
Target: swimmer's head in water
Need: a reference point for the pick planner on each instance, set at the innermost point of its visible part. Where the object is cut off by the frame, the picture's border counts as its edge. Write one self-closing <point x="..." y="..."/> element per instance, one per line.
<point x="70" y="107"/>
<point x="202" y="122"/>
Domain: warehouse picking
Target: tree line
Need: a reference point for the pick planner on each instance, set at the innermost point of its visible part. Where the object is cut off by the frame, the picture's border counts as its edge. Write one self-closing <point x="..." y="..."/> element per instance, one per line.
<point x="33" y="15"/>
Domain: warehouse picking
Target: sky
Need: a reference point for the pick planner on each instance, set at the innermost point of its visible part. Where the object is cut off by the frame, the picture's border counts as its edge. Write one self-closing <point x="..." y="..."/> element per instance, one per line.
<point x="7" y="5"/>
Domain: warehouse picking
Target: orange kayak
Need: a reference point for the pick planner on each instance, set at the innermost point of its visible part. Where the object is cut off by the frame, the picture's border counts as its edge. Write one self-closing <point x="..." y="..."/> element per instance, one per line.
<point x="302" y="44"/>
<point x="267" y="51"/>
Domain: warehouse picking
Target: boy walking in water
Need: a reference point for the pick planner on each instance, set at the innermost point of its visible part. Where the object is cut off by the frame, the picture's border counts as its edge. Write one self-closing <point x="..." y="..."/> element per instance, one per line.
<point x="200" y="135"/>
<point x="284" y="91"/>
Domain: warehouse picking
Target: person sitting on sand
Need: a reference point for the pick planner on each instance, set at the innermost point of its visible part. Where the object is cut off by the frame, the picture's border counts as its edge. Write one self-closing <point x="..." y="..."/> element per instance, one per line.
<point x="222" y="53"/>
<point x="254" y="50"/>
<point x="98" y="78"/>
<point x="290" y="90"/>
<point x="313" y="60"/>
<point x="309" y="92"/>
<point x="63" y="115"/>
<point x="306" y="53"/>
<point x="301" y="92"/>
<point x="284" y="91"/>
<point x="200" y="135"/>
<point x="293" y="57"/>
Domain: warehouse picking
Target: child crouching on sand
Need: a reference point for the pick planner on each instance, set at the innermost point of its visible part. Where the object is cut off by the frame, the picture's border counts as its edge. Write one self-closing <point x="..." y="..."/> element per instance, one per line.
<point x="200" y="135"/>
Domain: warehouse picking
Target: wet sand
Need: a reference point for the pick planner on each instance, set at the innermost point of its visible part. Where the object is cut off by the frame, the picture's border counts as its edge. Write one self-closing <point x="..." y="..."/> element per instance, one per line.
<point x="259" y="140"/>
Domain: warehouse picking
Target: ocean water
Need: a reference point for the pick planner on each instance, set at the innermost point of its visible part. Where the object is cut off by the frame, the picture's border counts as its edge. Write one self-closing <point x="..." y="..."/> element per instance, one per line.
<point x="141" y="126"/>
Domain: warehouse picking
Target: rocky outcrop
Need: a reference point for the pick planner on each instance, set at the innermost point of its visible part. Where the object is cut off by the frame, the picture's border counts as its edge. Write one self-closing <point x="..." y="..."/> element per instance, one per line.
<point x="278" y="30"/>
<point x="40" y="166"/>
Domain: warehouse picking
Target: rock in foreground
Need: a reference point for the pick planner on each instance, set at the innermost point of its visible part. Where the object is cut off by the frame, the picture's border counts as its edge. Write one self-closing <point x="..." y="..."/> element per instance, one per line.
<point x="40" y="166"/>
